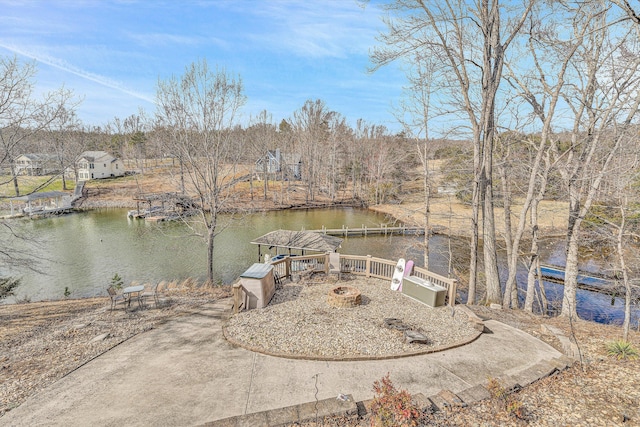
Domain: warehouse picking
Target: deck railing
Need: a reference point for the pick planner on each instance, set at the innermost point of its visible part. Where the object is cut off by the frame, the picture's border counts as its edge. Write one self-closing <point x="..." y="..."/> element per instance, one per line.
<point x="359" y="265"/>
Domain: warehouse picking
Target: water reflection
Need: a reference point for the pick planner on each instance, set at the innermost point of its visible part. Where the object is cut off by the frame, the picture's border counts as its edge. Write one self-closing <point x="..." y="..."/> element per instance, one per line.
<point x="83" y="251"/>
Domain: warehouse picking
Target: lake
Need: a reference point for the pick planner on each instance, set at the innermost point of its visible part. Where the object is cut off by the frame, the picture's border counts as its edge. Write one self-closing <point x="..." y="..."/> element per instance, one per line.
<point x="83" y="251"/>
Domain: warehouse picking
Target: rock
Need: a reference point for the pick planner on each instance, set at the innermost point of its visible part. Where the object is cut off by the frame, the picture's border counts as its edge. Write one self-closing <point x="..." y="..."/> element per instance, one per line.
<point x="397" y="324"/>
<point x="411" y="337"/>
<point x="495" y="306"/>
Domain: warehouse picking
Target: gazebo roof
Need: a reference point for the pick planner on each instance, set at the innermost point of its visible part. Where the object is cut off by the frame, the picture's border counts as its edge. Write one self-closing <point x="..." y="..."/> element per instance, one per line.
<point x="304" y="240"/>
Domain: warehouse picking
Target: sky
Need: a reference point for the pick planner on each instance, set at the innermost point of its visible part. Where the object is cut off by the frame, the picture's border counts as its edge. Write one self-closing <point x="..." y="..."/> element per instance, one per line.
<point x="112" y="53"/>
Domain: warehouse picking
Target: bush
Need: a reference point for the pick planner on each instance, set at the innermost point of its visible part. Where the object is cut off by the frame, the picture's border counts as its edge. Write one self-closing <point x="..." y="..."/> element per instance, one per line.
<point x="508" y="402"/>
<point x="622" y="349"/>
<point x="7" y="286"/>
<point x="391" y="407"/>
<point x="117" y="282"/>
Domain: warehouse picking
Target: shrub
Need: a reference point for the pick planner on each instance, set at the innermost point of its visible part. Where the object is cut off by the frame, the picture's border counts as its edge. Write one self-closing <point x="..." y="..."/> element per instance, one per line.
<point x="7" y="286"/>
<point x="508" y="402"/>
<point x="117" y="282"/>
<point x="622" y="349"/>
<point x="391" y="407"/>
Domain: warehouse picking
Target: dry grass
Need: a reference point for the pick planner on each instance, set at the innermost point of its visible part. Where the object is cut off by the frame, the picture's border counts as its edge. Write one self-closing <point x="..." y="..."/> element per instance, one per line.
<point x="450" y="214"/>
<point x="41" y="342"/>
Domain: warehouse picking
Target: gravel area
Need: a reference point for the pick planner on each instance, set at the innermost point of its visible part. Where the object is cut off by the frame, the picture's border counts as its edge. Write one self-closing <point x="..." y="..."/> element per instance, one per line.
<point x="299" y="323"/>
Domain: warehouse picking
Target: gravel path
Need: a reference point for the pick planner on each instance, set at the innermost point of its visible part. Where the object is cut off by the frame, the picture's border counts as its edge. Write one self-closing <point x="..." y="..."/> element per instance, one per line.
<point x="300" y="323"/>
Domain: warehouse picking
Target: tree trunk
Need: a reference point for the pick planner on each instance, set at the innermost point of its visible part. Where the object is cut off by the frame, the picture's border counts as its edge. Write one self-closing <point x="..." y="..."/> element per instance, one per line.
<point x="510" y="298"/>
<point x="211" y="235"/>
<point x="473" y="250"/>
<point x="266" y="180"/>
<point x="625" y="277"/>
<point x="571" y="265"/>
<point x="494" y="292"/>
<point x="427" y="214"/>
<point x="531" y="276"/>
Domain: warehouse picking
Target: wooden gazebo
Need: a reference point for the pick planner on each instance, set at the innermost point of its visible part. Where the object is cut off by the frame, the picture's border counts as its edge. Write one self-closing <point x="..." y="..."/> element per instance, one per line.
<point x="297" y="240"/>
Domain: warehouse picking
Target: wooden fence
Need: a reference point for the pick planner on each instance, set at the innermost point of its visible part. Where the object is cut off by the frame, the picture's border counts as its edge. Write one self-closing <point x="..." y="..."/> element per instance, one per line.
<point x="367" y="266"/>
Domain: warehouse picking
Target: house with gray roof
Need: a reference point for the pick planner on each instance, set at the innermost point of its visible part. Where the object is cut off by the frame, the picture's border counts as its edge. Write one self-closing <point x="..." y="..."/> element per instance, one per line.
<point x="98" y="165"/>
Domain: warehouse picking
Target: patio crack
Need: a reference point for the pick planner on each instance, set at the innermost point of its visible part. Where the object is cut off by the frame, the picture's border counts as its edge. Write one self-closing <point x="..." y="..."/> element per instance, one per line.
<point x="253" y="370"/>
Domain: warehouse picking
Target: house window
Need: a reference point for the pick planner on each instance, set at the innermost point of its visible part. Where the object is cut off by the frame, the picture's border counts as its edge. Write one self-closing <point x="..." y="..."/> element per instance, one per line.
<point x="116" y="166"/>
<point x="104" y="165"/>
<point x="91" y="165"/>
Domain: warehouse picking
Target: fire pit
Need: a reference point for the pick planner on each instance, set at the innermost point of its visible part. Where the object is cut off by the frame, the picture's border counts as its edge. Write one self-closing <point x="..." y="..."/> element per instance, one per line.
<point x="344" y="296"/>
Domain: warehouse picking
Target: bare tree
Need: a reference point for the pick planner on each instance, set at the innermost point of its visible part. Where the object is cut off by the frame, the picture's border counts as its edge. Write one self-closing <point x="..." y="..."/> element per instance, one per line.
<point x="262" y="138"/>
<point x="469" y="39"/>
<point x="311" y="126"/>
<point x="422" y="76"/>
<point x="542" y="89"/>
<point x="603" y="102"/>
<point x="199" y="109"/>
<point x="21" y="115"/>
<point x="339" y="137"/>
<point x="62" y="132"/>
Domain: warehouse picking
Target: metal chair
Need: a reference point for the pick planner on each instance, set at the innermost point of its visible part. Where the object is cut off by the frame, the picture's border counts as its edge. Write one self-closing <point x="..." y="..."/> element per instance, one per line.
<point x="116" y="298"/>
<point x="151" y="294"/>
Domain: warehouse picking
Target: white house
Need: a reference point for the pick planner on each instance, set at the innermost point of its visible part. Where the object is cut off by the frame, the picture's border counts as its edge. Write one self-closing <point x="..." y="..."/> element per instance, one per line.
<point x="36" y="164"/>
<point x="98" y="165"/>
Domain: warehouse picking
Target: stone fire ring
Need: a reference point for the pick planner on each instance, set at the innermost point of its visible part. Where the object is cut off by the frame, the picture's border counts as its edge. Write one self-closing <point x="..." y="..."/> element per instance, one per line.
<point x="344" y="296"/>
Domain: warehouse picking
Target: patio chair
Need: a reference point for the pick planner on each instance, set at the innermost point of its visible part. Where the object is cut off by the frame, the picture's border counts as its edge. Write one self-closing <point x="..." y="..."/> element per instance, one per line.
<point x="152" y="293"/>
<point x="334" y="264"/>
<point x="116" y="298"/>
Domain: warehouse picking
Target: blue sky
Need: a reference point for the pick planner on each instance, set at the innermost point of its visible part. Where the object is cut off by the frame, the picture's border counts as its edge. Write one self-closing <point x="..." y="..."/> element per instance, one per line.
<point x="112" y="53"/>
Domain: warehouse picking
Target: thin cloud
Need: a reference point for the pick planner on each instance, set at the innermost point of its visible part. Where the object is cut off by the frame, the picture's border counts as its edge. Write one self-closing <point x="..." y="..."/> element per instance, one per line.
<point x="314" y="29"/>
<point x="164" y="39"/>
<point x="64" y="66"/>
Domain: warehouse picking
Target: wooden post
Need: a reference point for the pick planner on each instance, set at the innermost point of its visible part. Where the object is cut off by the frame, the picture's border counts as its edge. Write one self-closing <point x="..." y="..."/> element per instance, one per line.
<point x="326" y="263"/>
<point x="368" y="268"/>
<point x="287" y="269"/>
<point x="452" y="292"/>
<point x="237" y="297"/>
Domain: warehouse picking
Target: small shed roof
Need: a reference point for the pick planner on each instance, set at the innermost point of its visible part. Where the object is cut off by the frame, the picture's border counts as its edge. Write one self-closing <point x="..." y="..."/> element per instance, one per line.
<point x="304" y="240"/>
<point x="41" y="195"/>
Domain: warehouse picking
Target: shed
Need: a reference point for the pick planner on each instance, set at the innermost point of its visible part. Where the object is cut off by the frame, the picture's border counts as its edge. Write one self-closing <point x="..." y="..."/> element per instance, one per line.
<point x="297" y="240"/>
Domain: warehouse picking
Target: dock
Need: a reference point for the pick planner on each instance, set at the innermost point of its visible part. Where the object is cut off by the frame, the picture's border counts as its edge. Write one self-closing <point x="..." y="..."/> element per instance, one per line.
<point x="587" y="282"/>
<point x="367" y="231"/>
<point x="163" y="207"/>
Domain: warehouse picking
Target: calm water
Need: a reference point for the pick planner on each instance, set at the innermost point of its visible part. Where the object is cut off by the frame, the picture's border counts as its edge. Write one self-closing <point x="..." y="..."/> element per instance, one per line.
<point x="83" y="251"/>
